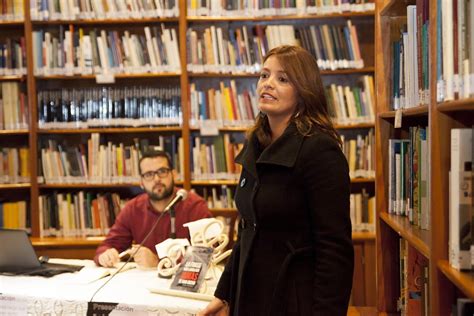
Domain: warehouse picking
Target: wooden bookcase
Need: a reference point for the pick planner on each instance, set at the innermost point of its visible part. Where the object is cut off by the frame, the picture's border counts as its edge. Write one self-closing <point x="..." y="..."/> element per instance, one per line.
<point x="76" y="247"/>
<point x="445" y="282"/>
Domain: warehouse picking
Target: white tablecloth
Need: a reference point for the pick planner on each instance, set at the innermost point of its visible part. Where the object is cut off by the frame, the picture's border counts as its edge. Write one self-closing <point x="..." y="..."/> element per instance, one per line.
<point x="67" y="294"/>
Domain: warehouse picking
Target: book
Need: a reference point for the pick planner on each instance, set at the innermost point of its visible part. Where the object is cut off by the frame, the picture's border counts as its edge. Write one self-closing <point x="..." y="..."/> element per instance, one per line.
<point x="460" y="199"/>
<point x="193" y="269"/>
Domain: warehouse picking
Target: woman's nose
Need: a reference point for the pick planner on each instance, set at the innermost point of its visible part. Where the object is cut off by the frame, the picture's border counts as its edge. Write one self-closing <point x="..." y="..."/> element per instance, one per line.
<point x="269" y="83"/>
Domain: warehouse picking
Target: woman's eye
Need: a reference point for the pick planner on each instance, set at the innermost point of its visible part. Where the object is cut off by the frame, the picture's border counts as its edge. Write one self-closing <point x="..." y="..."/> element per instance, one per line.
<point x="263" y="75"/>
<point x="283" y="79"/>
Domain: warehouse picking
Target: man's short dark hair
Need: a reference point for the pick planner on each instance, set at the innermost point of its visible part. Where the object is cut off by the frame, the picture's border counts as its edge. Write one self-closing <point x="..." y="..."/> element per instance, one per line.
<point x="155" y="154"/>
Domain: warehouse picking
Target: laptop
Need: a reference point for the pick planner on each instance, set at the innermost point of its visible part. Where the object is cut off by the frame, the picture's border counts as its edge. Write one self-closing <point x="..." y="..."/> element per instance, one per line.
<point x="18" y="257"/>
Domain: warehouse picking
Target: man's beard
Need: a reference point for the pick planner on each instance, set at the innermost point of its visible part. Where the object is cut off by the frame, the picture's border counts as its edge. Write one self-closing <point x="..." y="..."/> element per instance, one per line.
<point x="167" y="192"/>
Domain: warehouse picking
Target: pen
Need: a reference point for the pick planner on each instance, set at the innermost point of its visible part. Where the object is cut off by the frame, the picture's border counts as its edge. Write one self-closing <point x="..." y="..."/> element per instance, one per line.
<point x="124" y="253"/>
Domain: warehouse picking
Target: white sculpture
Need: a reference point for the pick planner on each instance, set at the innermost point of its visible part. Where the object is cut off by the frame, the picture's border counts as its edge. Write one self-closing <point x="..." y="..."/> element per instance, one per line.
<point x="207" y="232"/>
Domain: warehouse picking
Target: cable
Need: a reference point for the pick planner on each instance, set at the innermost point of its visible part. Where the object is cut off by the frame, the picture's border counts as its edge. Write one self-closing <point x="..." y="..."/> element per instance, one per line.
<point x="131" y="256"/>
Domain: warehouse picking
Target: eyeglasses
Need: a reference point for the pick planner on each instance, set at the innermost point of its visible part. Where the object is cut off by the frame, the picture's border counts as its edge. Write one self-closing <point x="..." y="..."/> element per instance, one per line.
<point x="161" y="173"/>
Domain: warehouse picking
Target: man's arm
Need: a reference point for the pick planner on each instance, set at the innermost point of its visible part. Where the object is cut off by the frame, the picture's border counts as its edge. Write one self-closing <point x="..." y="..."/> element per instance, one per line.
<point x="120" y="234"/>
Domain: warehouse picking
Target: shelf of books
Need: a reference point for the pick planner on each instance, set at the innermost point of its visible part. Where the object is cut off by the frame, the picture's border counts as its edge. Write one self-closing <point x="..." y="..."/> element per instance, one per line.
<point x="87" y="88"/>
<point x="15" y="184"/>
<point x="424" y="155"/>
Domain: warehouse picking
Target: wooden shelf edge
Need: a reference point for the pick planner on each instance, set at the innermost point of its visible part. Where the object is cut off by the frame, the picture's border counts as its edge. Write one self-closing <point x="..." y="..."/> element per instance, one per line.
<point x="93" y="185"/>
<point x="219" y="75"/>
<point x="87" y="185"/>
<point x="354" y="126"/>
<point x="117" y="76"/>
<point x="362" y="180"/>
<point x="419" y="239"/>
<point x="65" y="242"/>
<point x="362" y="310"/>
<point x="456" y="105"/>
<point x="225" y="129"/>
<point x="106" y="21"/>
<point x="370" y="69"/>
<point x="235" y="182"/>
<point x="12" y="23"/>
<point x="14" y="132"/>
<point x="360" y="236"/>
<point x="337" y="126"/>
<point x="462" y="280"/>
<point x="214" y="182"/>
<point x="279" y="17"/>
<point x="414" y="111"/>
<point x="395" y="8"/>
<point x="12" y="78"/>
<point x="111" y="130"/>
<point x="8" y="186"/>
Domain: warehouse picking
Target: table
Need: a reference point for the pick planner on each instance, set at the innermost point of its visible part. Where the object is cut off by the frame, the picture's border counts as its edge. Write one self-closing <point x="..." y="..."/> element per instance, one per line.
<point x="66" y="294"/>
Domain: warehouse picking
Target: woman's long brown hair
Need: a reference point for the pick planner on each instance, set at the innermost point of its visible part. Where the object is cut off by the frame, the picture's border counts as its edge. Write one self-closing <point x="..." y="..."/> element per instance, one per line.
<point x="311" y="111"/>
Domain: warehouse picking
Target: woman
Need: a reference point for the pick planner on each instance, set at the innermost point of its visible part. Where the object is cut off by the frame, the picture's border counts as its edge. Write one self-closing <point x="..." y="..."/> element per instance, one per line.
<point x="294" y="255"/>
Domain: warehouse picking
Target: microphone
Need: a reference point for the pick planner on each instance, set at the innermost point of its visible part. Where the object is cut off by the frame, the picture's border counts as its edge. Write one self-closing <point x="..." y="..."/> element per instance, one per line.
<point x="180" y="195"/>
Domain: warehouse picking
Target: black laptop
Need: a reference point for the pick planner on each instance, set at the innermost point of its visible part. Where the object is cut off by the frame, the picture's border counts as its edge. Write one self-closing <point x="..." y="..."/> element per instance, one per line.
<point x="17" y="257"/>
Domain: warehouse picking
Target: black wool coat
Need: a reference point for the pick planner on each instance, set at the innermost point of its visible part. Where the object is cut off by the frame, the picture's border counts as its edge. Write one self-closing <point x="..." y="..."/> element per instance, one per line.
<point x="294" y="254"/>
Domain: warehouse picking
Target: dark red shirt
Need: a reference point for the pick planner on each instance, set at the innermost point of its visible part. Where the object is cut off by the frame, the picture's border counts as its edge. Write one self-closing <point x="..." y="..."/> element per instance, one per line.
<point x="138" y="216"/>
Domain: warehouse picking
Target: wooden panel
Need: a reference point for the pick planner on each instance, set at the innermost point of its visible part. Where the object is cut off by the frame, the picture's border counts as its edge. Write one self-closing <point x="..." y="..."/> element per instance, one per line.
<point x="67" y="248"/>
<point x="358" y="282"/>
<point x="388" y="286"/>
<point x="361" y="311"/>
<point x="369" y="272"/>
<point x="464" y="280"/>
<point x="364" y="286"/>
<point x="365" y="35"/>
<point x="33" y="122"/>
<point x="418" y="238"/>
<point x="79" y="252"/>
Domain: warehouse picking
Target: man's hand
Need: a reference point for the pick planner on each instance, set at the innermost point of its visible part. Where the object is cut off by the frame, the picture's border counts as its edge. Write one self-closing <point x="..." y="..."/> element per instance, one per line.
<point x="109" y="258"/>
<point x="216" y="307"/>
<point x="144" y="258"/>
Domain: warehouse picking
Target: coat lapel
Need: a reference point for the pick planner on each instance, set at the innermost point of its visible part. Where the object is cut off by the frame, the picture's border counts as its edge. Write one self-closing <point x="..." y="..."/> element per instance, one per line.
<point x="284" y="150"/>
<point x="248" y="155"/>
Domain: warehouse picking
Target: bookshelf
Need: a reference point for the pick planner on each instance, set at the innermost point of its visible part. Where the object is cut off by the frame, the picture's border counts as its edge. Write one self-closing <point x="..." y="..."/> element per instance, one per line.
<point x="444" y="283"/>
<point x="38" y="134"/>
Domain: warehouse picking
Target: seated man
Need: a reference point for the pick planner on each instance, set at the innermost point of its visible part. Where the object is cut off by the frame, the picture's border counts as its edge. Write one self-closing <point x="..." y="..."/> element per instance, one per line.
<point x="139" y="214"/>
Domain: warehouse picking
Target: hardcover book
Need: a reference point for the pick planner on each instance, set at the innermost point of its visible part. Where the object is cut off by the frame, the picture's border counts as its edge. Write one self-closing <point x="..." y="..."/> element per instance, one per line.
<point x="193" y="269"/>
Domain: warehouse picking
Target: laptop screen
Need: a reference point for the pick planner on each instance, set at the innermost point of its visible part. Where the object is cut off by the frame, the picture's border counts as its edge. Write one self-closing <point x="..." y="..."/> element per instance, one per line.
<point x="16" y="251"/>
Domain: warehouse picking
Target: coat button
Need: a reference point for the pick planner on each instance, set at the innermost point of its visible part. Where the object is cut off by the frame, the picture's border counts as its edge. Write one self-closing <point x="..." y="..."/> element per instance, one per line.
<point x="242" y="183"/>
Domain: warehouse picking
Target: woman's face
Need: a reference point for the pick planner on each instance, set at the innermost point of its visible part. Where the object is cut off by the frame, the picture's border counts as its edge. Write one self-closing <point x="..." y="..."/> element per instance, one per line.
<point x="277" y="97"/>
